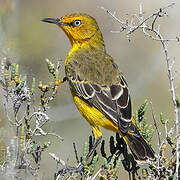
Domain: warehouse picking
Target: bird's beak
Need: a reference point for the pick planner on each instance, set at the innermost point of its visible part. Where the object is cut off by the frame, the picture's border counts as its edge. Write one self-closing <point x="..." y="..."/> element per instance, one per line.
<point x="54" y="21"/>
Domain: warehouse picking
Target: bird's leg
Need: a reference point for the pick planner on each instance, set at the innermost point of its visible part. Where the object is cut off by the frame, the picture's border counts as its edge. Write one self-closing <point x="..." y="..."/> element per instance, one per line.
<point x="96" y="143"/>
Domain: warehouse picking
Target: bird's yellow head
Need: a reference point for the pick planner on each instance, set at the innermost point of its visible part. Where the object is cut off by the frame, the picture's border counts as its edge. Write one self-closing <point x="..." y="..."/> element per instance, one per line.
<point x="78" y="27"/>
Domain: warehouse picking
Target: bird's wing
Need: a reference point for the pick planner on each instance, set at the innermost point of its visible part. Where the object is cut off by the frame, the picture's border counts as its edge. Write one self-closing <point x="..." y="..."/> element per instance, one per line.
<point x="113" y="101"/>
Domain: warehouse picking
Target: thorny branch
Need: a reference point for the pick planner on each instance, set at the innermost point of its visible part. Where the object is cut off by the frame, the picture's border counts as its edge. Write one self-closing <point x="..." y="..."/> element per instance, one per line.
<point x="149" y="25"/>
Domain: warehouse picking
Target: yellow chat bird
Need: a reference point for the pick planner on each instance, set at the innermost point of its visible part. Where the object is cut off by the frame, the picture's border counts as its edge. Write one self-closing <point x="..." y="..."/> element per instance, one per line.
<point x="98" y="86"/>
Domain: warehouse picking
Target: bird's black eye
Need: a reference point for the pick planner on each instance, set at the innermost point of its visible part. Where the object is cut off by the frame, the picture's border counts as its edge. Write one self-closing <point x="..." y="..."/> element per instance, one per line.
<point x="77" y="23"/>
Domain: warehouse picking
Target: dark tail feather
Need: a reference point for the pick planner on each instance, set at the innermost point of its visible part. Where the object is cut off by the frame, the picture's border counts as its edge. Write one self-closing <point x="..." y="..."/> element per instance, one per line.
<point x="139" y="147"/>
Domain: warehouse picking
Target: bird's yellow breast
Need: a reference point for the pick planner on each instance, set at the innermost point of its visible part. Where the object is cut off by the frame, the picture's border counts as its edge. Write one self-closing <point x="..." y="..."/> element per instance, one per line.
<point x="95" y="118"/>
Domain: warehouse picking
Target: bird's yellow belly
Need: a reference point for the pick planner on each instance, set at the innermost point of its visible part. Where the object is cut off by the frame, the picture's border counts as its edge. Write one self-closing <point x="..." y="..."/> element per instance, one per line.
<point x="95" y="118"/>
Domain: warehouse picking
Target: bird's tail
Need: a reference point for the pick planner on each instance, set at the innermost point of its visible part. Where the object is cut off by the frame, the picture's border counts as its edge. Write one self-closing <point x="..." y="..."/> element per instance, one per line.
<point x="139" y="147"/>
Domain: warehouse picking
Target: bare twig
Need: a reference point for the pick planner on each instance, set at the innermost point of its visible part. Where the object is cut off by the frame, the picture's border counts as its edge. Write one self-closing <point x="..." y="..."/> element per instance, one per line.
<point x="57" y="159"/>
<point x="96" y="175"/>
<point x="75" y="151"/>
<point x="156" y="126"/>
<point x="146" y="27"/>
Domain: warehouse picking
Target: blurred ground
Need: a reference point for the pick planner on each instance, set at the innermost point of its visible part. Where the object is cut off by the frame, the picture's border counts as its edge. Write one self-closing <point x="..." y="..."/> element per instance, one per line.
<point x="28" y="41"/>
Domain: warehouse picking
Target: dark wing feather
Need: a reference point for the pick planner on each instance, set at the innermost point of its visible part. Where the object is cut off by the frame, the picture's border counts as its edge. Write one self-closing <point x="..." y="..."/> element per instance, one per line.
<point x="113" y="101"/>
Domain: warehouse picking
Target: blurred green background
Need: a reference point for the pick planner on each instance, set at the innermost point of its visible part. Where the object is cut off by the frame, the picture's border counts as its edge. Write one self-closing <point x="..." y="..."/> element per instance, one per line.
<point x="28" y="41"/>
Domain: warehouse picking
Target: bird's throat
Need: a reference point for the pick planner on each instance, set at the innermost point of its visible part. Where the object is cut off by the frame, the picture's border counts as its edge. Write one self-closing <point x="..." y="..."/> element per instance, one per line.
<point x="94" y="43"/>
